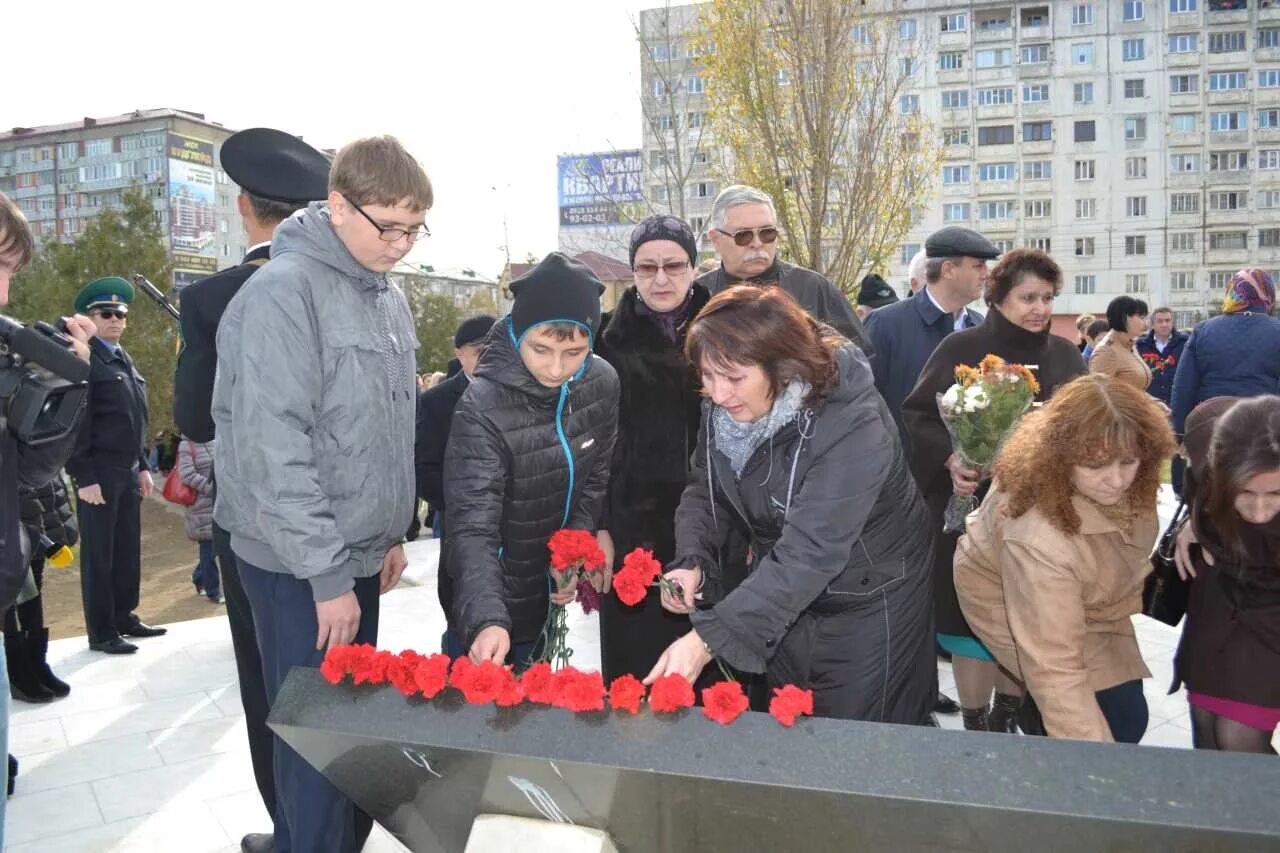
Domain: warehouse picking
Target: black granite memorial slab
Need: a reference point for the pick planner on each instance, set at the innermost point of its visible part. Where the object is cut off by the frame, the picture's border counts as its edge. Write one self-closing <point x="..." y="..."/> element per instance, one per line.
<point x="426" y="769"/>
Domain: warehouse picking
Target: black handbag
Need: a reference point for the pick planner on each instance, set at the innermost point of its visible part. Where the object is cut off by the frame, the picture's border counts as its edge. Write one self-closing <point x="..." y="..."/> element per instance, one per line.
<point x="1165" y="594"/>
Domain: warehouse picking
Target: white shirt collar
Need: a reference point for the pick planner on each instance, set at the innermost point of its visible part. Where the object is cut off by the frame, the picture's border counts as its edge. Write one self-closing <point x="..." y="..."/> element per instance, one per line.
<point x="256" y="246"/>
<point x="957" y="319"/>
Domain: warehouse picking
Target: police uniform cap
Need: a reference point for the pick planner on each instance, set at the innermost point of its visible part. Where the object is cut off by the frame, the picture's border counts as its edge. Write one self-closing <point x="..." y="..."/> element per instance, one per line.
<point x="275" y="166"/>
<point x="955" y="241"/>
<point x="111" y="291"/>
<point x="875" y="292"/>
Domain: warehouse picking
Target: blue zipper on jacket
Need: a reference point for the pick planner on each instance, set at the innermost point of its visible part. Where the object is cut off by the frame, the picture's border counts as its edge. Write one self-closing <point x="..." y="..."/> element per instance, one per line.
<point x="568" y="451"/>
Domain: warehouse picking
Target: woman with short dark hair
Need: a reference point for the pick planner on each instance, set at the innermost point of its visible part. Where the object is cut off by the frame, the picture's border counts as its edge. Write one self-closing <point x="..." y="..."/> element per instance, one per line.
<point x="797" y="447"/>
<point x="1116" y="355"/>
<point x="1229" y="656"/>
<point x="1020" y="294"/>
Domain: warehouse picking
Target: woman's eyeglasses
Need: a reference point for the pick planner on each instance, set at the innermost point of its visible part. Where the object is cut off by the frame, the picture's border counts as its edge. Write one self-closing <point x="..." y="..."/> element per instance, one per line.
<point x="671" y="268"/>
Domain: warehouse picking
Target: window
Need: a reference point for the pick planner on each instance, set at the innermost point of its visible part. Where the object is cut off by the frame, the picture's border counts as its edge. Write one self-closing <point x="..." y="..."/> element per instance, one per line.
<point x="1228" y="241"/>
<point x="952" y="60"/>
<point x="1228" y="121"/>
<point x="1086" y="284"/>
<point x="657" y="159"/>
<point x="1233" y="42"/>
<point x="1135" y="167"/>
<point x="1041" y="243"/>
<point x="909" y="104"/>
<point x="955" y="136"/>
<point x="1037" y="170"/>
<point x="955" y="212"/>
<point x="908" y="252"/>
<point x="997" y="171"/>
<point x="660" y="88"/>
<point x="660" y="51"/>
<point x="1135" y="127"/>
<point x="693" y="85"/>
<point x="908" y="66"/>
<point x="1135" y="205"/>
<point x="994" y="97"/>
<point x="1135" y="88"/>
<point x="993" y="58"/>
<point x="68" y="150"/>
<point x="1003" y="246"/>
<point x="1182" y="281"/>
<point x="1082" y="93"/>
<point x="664" y="122"/>
<point x="954" y="23"/>
<point x="1133" y="10"/>
<point x="1267" y="199"/>
<point x="1268" y="119"/>
<point x="907" y="29"/>
<point x="1269" y="159"/>
<point x="1184" y="42"/>
<point x="1001" y="134"/>
<point x="702" y="189"/>
<point x="1082" y="54"/>
<point x="1035" y="93"/>
<point x="1229" y="200"/>
<point x="1184" y="203"/>
<point x="1219" y="280"/>
<point x="1228" y="161"/>
<point x="860" y="34"/>
<point x="1224" y="81"/>
<point x="953" y="175"/>
<point x="698" y="158"/>
<point x="1132" y="50"/>
<point x="1039" y="208"/>
<point x="1081" y="14"/>
<point x="1269" y="78"/>
<point x="1182" y="241"/>
<point x="955" y="99"/>
<point x="1184" y="162"/>
<point x="97" y="147"/>
<point x="1085" y="170"/>
<point x="1086" y="208"/>
<point x="1084" y="247"/>
<point x="1178" y="6"/>
<point x="1268" y="37"/>
<point x="1268" y="238"/>
<point x="1184" y="84"/>
<point x="1135" y="245"/>
<point x="1185" y="122"/>
<point x="694" y="119"/>
<point x="1035" y="54"/>
<point x="997" y="209"/>
<point x="1135" y="283"/>
<point x="995" y="21"/>
<point x="1037" y="131"/>
<point x="1085" y="131"/>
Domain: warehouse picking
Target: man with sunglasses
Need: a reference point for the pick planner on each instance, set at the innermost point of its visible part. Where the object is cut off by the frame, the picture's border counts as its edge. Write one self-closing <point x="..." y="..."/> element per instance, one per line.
<point x="744" y="230"/>
<point x="109" y="469"/>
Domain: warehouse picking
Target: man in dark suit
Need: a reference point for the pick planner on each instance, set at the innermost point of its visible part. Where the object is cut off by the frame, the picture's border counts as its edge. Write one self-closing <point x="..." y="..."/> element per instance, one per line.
<point x="435" y="414"/>
<point x="277" y="174"/>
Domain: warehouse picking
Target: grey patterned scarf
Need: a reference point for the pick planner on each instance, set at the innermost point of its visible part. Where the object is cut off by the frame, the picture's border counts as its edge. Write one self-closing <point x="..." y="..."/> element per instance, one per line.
<point x="737" y="441"/>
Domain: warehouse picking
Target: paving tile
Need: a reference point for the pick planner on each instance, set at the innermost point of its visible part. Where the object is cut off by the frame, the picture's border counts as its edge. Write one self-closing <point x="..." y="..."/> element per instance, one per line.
<point x="211" y="651"/>
<point x="197" y="740"/>
<point x="142" y="717"/>
<point x="1167" y="735"/>
<point x="163" y="788"/>
<point x="86" y="762"/>
<point x="31" y="817"/>
<point x="189" y="828"/>
<point x="240" y="814"/>
<point x="195" y="678"/>
<point x="381" y="841"/>
<point x="84" y="697"/>
<point x="227" y="698"/>
<point x="38" y="736"/>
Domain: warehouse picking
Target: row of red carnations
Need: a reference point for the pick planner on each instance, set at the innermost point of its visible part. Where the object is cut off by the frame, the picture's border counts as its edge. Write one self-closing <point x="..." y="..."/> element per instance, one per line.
<point x="568" y="688"/>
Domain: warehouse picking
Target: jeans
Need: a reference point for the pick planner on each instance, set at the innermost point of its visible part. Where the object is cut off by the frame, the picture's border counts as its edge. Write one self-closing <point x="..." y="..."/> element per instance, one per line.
<point x="206" y="574"/>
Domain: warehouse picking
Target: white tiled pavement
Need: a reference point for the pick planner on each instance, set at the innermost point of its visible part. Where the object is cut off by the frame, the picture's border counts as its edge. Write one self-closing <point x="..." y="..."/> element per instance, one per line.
<point x="148" y="752"/>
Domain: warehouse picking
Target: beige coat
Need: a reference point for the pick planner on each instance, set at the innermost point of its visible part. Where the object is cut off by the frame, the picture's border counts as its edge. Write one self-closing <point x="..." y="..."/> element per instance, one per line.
<point x="1116" y="357"/>
<point x="1054" y="608"/>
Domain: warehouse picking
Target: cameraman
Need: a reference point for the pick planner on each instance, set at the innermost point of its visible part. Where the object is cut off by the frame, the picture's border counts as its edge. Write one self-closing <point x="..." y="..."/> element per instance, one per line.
<point x="20" y="463"/>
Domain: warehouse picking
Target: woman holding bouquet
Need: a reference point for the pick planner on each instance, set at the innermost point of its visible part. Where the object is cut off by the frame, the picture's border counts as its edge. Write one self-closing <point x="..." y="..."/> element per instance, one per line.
<point x="1052" y="566"/>
<point x="797" y="446"/>
<point x="1020" y="293"/>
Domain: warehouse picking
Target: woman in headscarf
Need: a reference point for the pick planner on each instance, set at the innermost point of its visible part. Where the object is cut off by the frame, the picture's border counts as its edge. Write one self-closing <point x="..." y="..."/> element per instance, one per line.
<point x="1236" y="354"/>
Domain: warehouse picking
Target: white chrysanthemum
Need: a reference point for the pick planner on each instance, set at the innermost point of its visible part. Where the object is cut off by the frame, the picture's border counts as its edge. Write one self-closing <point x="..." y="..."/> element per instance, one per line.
<point x="951" y="399"/>
<point x="975" y="399"/>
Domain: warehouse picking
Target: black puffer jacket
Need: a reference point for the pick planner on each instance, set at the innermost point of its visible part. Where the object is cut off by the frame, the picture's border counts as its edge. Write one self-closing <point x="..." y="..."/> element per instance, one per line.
<point x="47" y="510"/>
<point x="523" y="461"/>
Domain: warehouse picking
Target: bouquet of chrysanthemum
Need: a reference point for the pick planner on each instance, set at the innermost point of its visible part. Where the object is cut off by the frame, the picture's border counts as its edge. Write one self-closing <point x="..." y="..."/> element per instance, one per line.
<point x="980" y="411"/>
<point x="573" y="552"/>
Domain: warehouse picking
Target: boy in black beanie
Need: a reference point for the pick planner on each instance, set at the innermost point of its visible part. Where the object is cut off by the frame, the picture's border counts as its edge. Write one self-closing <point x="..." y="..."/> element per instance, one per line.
<point x="528" y="454"/>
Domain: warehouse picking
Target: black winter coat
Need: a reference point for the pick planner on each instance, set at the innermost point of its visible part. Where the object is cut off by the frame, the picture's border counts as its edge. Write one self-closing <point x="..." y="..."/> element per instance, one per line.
<point x="113" y="433"/>
<point x="47" y="510"/>
<point x="523" y="461"/>
<point x="839" y="588"/>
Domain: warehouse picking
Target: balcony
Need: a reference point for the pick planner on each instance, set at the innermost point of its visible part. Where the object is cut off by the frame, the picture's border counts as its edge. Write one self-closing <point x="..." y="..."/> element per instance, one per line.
<point x="999" y="34"/>
<point x="1034" y="109"/>
<point x="997" y="188"/>
<point x="1038" y="146"/>
<point x="1185" y="180"/>
<point x="1230" y="96"/>
<point x="1002" y="73"/>
<point x="997" y="111"/>
<point x="1239" y="217"/>
<point x="1189" y="102"/>
<point x="1223" y="178"/>
<point x="1235" y="257"/>
<point x="1267" y="135"/>
<point x="1228" y="137"/>
<point x="1184" y="21"/>
<point x="1035" y="70"/>
<point x="957" y="191"/>
<point x="1183" y="60"/>
<point x="1194" y="138"/>
<point x="1234" y="59"/>
<point x="953" y="77"/>
<point x="1003" y="226"/>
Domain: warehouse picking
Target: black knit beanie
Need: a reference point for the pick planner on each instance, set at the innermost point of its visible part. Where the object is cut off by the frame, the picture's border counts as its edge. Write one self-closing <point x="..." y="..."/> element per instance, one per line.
<point x="558" y="290"/>
<point x="664" y="227"/>
<point x="472" y="330"/>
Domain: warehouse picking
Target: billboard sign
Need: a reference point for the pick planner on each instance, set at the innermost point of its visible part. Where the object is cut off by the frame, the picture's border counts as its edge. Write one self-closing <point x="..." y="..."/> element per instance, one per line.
<point x="594" y="188"/>
<point x="192" y="205"/>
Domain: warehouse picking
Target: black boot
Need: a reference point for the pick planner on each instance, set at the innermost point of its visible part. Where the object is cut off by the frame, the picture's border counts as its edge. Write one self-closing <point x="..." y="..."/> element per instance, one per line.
<point x="38" y="649"/>
<point x="23" y="683"/>
<point x="13" y="774"/>
<point x="975" y="719"/>
<point x="1004" y="714"/>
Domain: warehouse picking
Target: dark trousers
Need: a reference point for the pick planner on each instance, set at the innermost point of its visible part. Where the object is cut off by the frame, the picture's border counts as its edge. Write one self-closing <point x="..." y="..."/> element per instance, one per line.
<point x="253" y="690"/>
<point x="110" y="559"/>
<point x="205" y="575"/>
<point x="311" y="816"/>
<point x="29" y="615"/>
<point x="1124" y="707"/>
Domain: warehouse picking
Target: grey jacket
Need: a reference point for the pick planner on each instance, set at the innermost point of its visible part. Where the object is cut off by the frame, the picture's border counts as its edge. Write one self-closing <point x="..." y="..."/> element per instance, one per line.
<point x="195" y="468"/>
<point x="314" y="409"/>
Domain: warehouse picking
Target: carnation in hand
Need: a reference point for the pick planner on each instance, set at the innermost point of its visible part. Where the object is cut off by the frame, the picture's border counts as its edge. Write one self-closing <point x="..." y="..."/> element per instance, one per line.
<point x="790" y="702"/>
<point x="574" y="549"/>
<point x="724" y="702"/>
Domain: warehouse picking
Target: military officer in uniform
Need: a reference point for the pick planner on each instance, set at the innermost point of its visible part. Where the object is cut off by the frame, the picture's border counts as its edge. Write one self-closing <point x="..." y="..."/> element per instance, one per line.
<point x="277" y="174"/>
<point x="109" y="469"/>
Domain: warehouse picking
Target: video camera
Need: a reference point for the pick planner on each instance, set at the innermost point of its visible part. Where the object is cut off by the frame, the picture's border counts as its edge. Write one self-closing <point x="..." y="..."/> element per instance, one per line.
<point x="43" y="384"/>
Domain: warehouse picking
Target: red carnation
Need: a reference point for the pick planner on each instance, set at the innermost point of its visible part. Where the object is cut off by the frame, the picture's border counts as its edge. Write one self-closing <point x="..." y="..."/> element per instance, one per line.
<point x="642" y="562"/>
<point x="431" y="674"/>
<point x="484" y="682"/>
<point x="400" y="672"/>
<point x="369" y="665"/>
<point x="336" y="664"/>
<point x="578" y="691"/>
<point x="790" y="702"/>
<point x="670" y="693"/>
<point x="538" y="683"/>
<point x="625" y="693"/>
<point x="575" y="548"/>
<point x="460" y="672"/>
<point x="631" y="589"/>
<point x="512" y="692"/>
<point x="724" y="702"/>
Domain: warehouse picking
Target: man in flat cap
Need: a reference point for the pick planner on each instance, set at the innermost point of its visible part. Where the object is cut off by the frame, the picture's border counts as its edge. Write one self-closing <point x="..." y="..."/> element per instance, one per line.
<point x="278" y="174"/>
<point x="874" y="292"/>
<point x="109" y="470"/>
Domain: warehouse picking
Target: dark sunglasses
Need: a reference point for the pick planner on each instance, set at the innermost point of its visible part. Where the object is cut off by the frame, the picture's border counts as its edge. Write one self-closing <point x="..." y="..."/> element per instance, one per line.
<point x="743" y="237"/>
<point x="111" y="315"/>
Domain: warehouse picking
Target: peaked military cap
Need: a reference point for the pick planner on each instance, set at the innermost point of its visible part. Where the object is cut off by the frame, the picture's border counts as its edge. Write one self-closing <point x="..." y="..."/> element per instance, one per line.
<point x="275" y="165"/>
<point x="111" y="291"/>
<point x="955" y="241"/>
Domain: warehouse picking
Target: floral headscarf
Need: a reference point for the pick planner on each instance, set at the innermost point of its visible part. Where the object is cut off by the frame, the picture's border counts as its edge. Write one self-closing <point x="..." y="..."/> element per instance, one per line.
<point x="1251" y="289"/>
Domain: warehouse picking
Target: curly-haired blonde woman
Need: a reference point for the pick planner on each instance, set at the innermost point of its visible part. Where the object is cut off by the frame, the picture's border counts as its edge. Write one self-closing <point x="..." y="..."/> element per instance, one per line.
<point x="1052" y="564"/>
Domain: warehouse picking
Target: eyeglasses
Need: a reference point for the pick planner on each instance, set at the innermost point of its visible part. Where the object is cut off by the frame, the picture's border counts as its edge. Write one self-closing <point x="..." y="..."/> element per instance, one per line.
<point x="392" y="234"/>
<point x="671" y="268"/>
<point x="744" y="236"/>
<point x="111" y="315"/>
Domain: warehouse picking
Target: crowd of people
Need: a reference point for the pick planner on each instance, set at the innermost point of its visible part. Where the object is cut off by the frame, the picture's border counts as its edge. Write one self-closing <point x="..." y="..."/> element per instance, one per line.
<point x="788" y="465"/>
